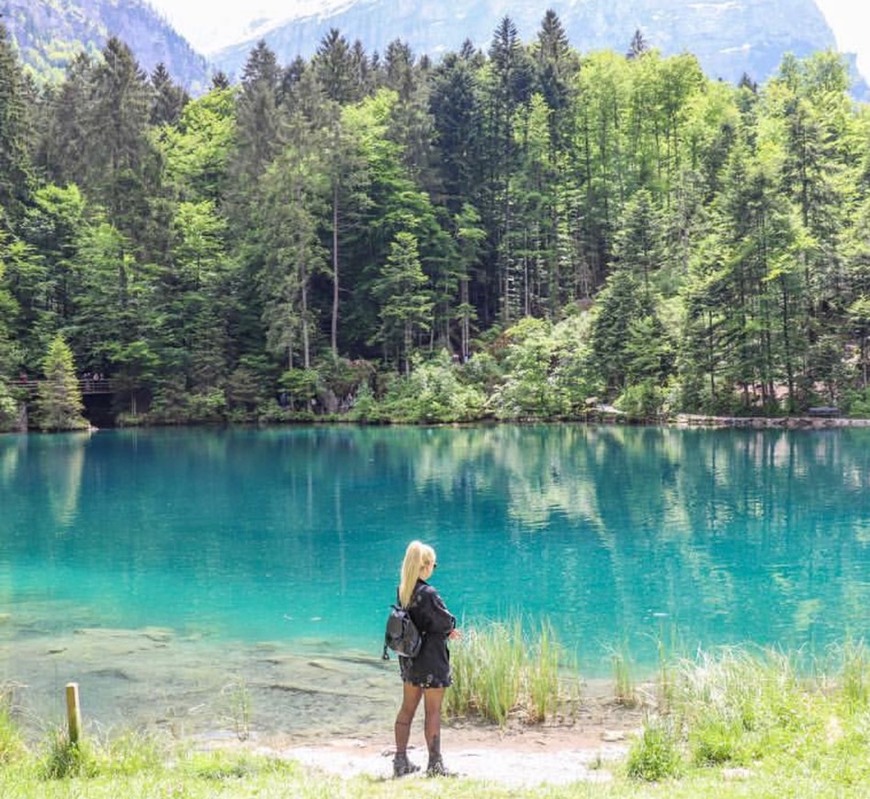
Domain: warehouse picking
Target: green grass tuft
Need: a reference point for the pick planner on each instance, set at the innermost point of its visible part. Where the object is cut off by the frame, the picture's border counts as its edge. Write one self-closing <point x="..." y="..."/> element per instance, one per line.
<point x="65" y="759"/>
<point x="655" y="754"/>
<point x="500" y="671"/>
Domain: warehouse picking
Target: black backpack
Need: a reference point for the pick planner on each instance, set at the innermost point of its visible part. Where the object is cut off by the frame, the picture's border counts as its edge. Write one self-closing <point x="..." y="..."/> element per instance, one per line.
<point x="401" y="635"/>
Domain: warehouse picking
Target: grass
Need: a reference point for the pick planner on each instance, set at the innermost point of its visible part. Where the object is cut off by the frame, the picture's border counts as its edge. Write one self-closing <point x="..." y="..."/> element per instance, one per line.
<point x="624" y="689"/>
<point x="737" y="723"/>
<point x="500" y="672"/>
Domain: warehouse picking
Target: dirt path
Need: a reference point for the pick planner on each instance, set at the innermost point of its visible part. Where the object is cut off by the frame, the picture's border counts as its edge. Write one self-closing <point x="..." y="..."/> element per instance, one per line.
<point x="516" y="756"/>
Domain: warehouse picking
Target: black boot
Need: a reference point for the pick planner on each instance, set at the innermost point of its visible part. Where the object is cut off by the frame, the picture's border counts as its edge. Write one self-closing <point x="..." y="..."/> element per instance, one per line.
<point x="436" y="768"/>
<point x="403" y="766"/>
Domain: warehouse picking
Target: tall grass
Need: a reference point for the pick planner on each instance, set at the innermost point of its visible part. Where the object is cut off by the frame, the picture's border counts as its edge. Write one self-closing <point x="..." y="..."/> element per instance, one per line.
<point x="500" y="671"/>
<point x="239" y="707"/>
<point x="11" y="743"/>
<point x="854" y="666"/>
<point x="737" y="707"/>
<point x="64" y="759"/>
<point x="655" y="755"/>
<point x="624" y="690"/>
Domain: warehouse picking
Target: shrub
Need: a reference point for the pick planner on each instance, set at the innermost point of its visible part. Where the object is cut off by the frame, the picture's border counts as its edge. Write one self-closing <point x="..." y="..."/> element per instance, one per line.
<point x="433" y="392"/>
<point x="655" y="755"/>
<point x="714" y="743"/>
<point x="641" y="401"/>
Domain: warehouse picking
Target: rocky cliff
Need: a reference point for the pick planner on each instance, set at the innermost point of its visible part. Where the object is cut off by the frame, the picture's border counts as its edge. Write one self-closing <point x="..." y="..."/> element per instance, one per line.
<point x="48" y="33"/>
<point x="730" y="37"/>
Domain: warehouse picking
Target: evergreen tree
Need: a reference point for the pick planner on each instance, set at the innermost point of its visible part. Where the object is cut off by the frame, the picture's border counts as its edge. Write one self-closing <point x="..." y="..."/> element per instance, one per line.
<point x="295" y="194"/>
<point x="258" y="134"/>
<point x="169" y="98"/>
<point x="336" y="70"/>
<point x="405" y="303"/>
<point x="59" y="404"/>
<point x="510" y="87"/>
<point x="457" y="111"/>
<point x="638" y="46"/>
<point x="117" y="151"/>
<point x="63" y="150"/>
<point x="15" y="165"/>
<point x="557" y="68"/>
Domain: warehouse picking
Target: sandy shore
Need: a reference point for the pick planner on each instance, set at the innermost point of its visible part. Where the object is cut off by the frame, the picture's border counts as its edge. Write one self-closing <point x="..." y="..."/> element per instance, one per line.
<point x="531" y="757"/>
<point x="517" y="755"/>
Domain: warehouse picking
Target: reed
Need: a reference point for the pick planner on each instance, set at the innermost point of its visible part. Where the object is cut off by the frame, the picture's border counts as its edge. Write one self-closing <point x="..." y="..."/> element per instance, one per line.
<point x="238" y="707"/>
<point x="624" y="690"/>
<point x="500" y="671"/>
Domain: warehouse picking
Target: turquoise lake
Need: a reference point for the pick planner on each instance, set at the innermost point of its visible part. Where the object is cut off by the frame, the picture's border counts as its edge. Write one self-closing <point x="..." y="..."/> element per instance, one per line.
<point x="622" y="537"/>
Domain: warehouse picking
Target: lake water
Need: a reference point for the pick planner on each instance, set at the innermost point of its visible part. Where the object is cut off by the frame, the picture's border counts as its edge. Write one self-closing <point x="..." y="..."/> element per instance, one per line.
<point x="164" y="568"/>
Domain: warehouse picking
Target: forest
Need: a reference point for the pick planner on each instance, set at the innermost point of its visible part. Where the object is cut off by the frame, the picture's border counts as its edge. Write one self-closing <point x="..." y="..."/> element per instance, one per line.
<point x="525" y="233"/>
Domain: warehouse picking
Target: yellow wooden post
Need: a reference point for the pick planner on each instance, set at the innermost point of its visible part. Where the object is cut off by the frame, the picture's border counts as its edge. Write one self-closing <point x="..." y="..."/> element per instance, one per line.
<point x="73" y="712"/>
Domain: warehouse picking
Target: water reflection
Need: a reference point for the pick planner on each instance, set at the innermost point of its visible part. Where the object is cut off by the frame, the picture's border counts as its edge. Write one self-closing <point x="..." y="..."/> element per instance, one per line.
<point x="621" y="536"/>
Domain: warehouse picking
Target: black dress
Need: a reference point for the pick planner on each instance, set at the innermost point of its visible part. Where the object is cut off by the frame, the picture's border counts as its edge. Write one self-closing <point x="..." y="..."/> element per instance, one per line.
<point x="431" y="667"/>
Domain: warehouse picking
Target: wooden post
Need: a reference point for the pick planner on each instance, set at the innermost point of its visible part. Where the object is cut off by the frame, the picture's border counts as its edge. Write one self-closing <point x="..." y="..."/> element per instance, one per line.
<point x="73" y="712"/>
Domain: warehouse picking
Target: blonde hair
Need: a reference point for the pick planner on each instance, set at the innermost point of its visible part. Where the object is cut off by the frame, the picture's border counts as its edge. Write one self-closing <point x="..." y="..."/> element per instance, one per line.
<point x="417" y="556"/>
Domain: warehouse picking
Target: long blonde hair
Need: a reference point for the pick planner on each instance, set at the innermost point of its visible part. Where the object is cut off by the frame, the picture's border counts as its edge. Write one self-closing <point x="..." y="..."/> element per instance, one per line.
<point x="417" y="556"/>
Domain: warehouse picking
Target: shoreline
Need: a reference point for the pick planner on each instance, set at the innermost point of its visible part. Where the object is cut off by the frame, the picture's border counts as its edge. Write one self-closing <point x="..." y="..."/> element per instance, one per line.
<point x="688" y="420"/>
<point x="594" y="417"/>
<point x="333" y="713"/>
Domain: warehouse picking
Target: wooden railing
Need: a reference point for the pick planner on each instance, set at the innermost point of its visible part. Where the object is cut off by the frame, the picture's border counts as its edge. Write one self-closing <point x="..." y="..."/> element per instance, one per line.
<point x="86" y="386"/>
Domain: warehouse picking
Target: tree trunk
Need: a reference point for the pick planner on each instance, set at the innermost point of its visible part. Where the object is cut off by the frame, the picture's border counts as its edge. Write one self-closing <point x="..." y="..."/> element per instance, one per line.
<point x="306" y="348"/>
<point x="335" y="271"/>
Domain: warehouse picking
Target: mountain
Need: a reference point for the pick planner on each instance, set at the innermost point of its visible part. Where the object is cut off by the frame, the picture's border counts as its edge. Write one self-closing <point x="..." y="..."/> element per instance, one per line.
<point x="48" y="33"/>
<point x="729" y="37"/>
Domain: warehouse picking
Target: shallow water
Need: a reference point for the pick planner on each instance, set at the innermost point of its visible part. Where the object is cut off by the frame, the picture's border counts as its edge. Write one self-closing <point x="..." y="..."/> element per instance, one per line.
<point x="156" y="567"/>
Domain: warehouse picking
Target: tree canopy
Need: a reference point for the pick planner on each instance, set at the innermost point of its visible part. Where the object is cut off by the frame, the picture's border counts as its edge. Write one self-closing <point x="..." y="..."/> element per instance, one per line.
<point x="538" y="229"/>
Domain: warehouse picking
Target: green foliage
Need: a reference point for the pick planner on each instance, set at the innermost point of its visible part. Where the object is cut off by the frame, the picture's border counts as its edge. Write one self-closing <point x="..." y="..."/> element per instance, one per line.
<point x="8" y="408"/>
<point x="624" y="690"/>
<point x="131" y="753"/>
<point x="12" y="746"/>
<point x="642" y="401"/>
<point x="405" y="303"/>
<point x="855" y="676"/>
<point x="500" y="671"/>
<point x="714" y="742"/>
<point x="65" y="759"/>
<point x="857" y="403"/>
<point x="433" y="392"/>
<point x="59" y="404"/>
<point x="592" y="227"/>
<point x="655" y="755"/>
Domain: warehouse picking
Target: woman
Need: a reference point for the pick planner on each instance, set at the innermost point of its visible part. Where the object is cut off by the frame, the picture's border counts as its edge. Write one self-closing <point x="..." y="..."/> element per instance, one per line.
<point x="427" y="675"/>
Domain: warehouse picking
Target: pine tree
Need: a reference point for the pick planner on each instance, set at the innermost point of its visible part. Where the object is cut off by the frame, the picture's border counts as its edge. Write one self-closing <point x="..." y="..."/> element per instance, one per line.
<point x="15" y="166"/>
<point x="169" y="98"/>
<point x="258" y="131"/>
<point x="59" y="403"/>
<point x="405" y="303"/>
<point x="337" y="69"/>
